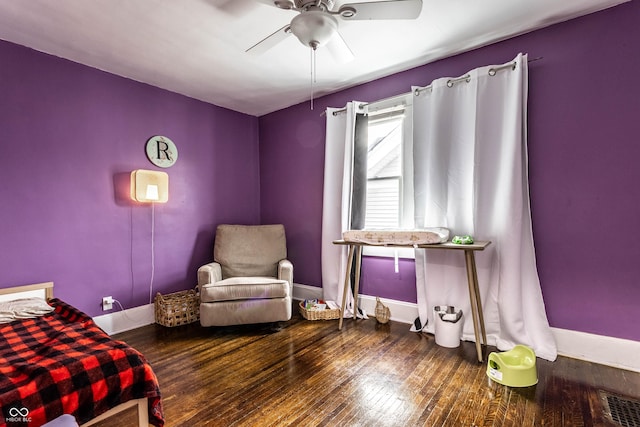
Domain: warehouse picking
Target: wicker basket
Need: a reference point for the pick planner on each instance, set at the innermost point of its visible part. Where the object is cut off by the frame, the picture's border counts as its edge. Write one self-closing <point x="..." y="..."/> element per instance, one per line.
<point x="180" y="308"/>
<point x="326" y="314"/>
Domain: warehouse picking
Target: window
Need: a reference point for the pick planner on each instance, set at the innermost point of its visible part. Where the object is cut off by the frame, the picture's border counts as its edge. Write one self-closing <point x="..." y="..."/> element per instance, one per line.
<point x="384" y="172"/>
<point x="389" y="196"/>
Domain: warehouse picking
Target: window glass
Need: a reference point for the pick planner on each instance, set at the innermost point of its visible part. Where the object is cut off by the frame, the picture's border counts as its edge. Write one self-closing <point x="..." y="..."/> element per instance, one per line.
<point x="384" y="173"/>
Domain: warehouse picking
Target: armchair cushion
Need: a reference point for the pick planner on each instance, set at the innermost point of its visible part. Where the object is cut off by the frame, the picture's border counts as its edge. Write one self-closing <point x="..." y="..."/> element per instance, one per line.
<point x="239" y="288"/>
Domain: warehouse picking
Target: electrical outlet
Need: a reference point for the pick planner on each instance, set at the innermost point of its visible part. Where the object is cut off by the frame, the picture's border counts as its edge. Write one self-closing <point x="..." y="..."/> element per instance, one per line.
<point x="107" y="303"/>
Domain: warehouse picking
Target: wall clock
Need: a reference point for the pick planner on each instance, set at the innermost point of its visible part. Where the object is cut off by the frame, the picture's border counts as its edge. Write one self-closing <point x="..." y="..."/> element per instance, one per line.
<point x="161" y="151"/>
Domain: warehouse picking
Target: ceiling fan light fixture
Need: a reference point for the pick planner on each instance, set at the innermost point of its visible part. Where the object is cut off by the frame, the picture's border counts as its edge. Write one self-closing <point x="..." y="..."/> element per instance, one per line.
<point x="314" y="28"/>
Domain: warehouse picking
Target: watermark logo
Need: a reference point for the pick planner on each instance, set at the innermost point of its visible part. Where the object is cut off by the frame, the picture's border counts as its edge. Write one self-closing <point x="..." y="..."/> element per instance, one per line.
<point x="18" y="415"/>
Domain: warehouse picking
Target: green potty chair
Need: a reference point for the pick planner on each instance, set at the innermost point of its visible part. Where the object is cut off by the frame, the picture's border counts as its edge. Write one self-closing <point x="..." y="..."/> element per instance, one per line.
<point x="513" y="368"/>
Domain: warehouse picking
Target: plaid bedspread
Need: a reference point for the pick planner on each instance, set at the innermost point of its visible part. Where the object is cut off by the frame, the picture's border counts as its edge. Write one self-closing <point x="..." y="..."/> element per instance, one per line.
<point x="63" y="363"/>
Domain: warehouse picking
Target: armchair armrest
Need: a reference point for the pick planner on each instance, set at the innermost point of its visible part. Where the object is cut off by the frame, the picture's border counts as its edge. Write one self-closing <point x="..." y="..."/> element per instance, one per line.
<point x="285" y="271"/>
<point x="209" y="273"/>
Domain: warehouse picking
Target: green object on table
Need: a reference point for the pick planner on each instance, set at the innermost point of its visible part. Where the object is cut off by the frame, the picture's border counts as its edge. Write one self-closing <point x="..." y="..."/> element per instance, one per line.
<point x="462" y="240"/>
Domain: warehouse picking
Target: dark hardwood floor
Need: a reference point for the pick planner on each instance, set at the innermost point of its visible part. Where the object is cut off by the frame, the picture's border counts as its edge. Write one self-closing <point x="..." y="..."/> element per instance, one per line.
<point x="310" y="374"/>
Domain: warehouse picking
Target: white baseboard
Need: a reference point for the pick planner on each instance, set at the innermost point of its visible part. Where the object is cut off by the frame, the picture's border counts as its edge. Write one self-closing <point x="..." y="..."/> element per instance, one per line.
<point x="403" y="312"/>
<point x="125" y="320"/>
<point x="303" y="292"/>
<point x="137" y="317"/>
<point x="615" y="352"/>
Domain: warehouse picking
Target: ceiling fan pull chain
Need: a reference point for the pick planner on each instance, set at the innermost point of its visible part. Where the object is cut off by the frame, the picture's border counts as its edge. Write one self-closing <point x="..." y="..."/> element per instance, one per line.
<point x="313" y="73"/>
<point x="315" y="70"/>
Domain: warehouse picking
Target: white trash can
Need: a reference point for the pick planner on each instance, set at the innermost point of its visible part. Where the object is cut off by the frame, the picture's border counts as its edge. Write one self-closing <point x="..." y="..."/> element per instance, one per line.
<point x="448" y="325"/>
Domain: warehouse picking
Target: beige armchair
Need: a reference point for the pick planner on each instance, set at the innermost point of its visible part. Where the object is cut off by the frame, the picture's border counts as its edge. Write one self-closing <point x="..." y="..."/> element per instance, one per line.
<point x="250" y="280"/>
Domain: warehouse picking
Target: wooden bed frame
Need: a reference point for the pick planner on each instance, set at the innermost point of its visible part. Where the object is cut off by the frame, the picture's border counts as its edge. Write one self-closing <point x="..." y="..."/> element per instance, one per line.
<point x="45" y="290"/>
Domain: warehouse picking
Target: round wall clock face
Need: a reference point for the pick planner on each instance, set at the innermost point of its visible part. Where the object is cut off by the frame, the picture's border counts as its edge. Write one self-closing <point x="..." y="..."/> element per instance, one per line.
<point x="161" y="151"/>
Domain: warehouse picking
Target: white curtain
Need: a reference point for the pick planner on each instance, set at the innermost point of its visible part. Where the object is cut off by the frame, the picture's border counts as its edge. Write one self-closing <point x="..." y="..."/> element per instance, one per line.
<point x="336" y="200"/>
<point x="470" y="166"/>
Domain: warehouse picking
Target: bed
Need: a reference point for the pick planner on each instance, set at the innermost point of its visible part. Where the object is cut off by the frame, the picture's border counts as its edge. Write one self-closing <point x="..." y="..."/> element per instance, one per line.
<point x="63" y="363"/>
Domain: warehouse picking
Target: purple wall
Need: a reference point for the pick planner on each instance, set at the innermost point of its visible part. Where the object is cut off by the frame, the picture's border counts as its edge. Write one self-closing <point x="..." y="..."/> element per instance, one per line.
<point x="583" y="149"/>
<point x="70" y="136"/>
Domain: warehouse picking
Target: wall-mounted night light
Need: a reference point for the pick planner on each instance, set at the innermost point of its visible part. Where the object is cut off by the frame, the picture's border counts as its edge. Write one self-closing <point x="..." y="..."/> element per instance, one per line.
<point x="149" y="186"/>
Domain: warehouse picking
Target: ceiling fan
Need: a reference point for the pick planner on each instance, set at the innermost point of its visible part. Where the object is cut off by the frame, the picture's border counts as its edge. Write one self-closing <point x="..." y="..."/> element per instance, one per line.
<point x="317" y="22"/>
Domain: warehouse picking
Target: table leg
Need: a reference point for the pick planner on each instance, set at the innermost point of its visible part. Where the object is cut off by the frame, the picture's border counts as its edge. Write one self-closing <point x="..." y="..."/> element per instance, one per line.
<point x="347" y="278"/>
<point x="479" y="300"/>
<point x="356" y="287"/>
<point x="476" y="306"/>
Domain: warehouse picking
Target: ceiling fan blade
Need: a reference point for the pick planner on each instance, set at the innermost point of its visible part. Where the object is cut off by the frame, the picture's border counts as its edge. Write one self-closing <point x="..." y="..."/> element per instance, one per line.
<point x="270" y="41"/>
<point x="339" y="49"/>
<point x="232" y="7"/>
<point x="238" y="7"/>
<point x="398" y="9"/>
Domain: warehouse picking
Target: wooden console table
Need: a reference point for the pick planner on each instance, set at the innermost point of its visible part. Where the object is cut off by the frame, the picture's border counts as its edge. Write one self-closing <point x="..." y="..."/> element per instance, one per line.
<point x="472" y="279"/>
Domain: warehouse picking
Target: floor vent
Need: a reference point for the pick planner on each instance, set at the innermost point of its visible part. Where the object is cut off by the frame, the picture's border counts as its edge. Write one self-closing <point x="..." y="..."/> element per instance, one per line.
<point x="621" y="410"/>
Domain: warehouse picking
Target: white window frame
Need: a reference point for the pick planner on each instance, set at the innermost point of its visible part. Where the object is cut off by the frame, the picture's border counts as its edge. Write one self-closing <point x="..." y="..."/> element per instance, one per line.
<point x="398" y="103"/>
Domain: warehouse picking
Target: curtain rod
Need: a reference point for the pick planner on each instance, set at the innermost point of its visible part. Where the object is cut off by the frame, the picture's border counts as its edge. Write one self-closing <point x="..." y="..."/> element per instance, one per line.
<point x="390" y="98"/>
<point x="492" y="72"/>
<point x="450" y="83"/>
<point x="364" y="104"/>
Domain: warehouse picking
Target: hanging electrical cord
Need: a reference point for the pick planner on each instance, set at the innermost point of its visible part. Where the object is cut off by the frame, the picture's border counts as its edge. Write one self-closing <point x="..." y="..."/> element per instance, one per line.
<point x="153" y="267"/>
<point x="153" y="253"/>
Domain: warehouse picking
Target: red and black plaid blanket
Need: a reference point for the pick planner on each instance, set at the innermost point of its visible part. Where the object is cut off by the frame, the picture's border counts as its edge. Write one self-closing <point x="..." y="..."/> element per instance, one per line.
<point x="63" y="363"/>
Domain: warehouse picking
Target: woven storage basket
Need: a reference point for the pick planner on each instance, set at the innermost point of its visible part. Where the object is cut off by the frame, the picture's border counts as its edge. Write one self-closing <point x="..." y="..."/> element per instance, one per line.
<point x="326" y="314"/>
<point x="180" y="308"/>
<point x="382" y="312"/>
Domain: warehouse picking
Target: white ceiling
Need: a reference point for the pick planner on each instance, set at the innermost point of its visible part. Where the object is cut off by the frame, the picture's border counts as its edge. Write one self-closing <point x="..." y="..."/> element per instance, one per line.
<point x="197" y="47"/>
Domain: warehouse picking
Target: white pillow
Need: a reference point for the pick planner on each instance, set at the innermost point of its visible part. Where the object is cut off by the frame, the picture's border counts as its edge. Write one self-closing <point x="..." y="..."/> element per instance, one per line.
<point x="24" y="308"/>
